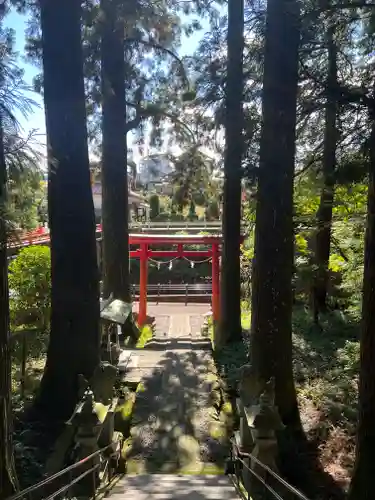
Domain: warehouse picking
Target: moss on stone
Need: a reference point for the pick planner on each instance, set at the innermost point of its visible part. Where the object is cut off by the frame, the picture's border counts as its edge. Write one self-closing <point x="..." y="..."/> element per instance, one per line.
<point x="145" y="336"/>
<point x="204" y="469"/>
<point x="140" y="387"/>
<point x="218" y="431"/>
<point x="126" y="408"/>
<point x="124" y="414"/>
<point x="126" y="448"/>
<point x="188" y="451"/>
<point x="227" y="408"/>
<point x="101" y="411"/>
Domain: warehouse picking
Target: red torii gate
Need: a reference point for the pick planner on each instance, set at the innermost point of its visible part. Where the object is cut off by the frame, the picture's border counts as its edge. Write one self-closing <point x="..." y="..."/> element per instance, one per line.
<point x="144" y="252"/>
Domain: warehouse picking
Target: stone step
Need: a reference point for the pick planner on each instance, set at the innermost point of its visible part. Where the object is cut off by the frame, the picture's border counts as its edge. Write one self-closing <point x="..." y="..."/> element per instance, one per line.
<point x="174" y="487"/>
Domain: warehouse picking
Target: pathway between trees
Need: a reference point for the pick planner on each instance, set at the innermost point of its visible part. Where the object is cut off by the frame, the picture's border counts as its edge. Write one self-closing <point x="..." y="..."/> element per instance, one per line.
<point x="179" y="424"/>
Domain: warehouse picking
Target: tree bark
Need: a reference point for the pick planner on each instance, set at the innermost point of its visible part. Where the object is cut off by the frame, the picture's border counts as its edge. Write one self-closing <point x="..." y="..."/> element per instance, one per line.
<point x="324" y="214"/>
<point x="271" y="327"/>
<point x="74" y="346"/>
<point x="8" y="478"/>
<point x="364" y="471"/>
<point x="115" y="223"/>
<point x="230" y="315"/>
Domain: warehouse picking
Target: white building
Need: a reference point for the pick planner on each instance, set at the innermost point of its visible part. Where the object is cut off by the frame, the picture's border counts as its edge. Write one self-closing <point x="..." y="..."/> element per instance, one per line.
<point x="153" y="168"/>
<point x="138" y="207"/>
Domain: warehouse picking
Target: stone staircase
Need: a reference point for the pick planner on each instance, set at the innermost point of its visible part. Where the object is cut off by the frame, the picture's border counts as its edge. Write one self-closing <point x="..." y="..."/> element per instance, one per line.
<point x="178" y="436"/>
<point x="174" y="487"/>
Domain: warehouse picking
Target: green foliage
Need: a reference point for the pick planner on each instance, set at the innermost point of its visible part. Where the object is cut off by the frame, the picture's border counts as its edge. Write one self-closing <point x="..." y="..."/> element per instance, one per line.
<point x="301" y="244"/>
<point x="192" y="215"/>
<point x="326" y="366"/>
<point x="25" y="194"/>
<point x="189" y="95"/>
<point x="199" y="198"/>
<point x="194" y="177"/>
<point x="154" y="206"/>
<point x="30" y="284"/>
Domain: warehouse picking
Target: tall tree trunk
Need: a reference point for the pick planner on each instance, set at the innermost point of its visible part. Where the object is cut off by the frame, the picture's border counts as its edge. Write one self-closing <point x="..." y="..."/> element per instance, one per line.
<point x="324" y="214"/>
<point x="114" y="156"/>
<point x="230" y="320"/>
<point x="274" y="238"/>
<point x="361" y="487"/>
<point x="8" y="478"/>
<point x="74" y="346"/>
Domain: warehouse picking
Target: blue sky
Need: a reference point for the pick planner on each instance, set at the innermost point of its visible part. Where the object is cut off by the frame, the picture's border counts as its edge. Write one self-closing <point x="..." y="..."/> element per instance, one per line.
<point x="36" y="120"/>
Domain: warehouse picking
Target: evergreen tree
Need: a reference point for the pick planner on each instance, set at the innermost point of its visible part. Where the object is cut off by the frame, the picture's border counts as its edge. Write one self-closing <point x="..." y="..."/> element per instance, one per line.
<point x="114" y="176"/>
<point x="230" y="321"/>
<point x="74" y="346"/>
<point x="9" y="100"/>
<point x="271" y="327"/>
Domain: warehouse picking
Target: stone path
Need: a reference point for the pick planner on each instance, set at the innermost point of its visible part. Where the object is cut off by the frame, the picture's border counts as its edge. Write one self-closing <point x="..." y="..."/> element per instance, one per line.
<point x="174" y="487"/>
<point x="181" y="325"/>
<point x="176" y="421"/>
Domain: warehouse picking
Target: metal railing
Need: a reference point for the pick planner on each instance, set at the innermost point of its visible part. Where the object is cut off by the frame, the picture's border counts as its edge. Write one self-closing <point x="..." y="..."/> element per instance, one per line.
<point x="44" y="490"/>
<point x="174" y="224"/>
<point x="168" y="289"/>
<point x="171" y="287"/>
<point x="268" y="484"/>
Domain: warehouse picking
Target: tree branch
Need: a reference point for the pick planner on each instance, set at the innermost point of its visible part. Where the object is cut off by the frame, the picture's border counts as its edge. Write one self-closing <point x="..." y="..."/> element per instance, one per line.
<point x="142" y="113"/>
<point x="156" y="46"/>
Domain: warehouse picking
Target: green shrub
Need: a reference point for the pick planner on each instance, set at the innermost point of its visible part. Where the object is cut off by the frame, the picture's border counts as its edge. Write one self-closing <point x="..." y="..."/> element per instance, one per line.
<point x="199" y="198"/>
<point x="154" y="206"/>
<point x="192" y="213"/>
<point x="30" y="285"/>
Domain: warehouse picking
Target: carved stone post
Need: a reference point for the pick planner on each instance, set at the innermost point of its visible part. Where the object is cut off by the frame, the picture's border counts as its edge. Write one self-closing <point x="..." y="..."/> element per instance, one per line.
<point x="264" y="420"/>
<point x="88" y="425"/>
<point x="249" y="388"/>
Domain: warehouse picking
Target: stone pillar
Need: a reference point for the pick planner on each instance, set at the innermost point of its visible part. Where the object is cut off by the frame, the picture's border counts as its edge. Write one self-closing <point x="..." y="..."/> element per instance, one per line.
<point x="142" y="314"/>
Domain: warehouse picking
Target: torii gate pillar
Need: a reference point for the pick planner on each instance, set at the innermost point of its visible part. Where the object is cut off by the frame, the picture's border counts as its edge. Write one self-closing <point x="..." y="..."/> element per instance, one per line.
<point x="215" y="282"/>
<point x="142" y="314"/>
